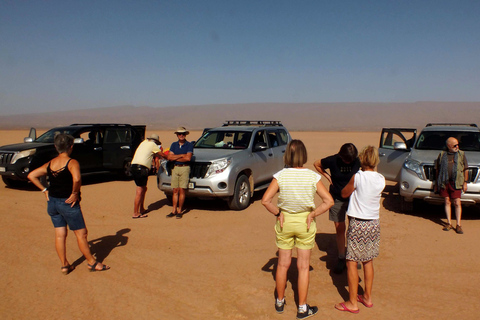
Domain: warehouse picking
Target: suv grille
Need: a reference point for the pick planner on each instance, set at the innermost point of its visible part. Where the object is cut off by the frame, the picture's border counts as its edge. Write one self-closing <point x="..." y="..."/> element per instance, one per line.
<point x="6" y="158"/>
<point x="199" y="169"/>
<point x="430" y="174"/>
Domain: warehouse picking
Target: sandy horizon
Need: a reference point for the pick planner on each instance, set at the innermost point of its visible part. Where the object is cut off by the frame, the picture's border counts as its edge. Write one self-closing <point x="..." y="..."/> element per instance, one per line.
<point x="218" y="264"/>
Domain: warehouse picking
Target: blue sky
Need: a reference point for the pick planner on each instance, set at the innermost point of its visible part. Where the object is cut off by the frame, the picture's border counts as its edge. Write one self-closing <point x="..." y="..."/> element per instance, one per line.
<point x="65" y="55"/>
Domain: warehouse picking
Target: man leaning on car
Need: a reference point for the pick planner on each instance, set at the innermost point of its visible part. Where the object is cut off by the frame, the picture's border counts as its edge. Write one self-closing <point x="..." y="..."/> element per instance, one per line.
<point x="452" y="175"/>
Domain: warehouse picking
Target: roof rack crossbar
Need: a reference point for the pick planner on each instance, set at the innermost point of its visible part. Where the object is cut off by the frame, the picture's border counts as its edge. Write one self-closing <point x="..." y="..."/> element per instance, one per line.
<point x="451" y="124"/>
<point x="252" y="123"/>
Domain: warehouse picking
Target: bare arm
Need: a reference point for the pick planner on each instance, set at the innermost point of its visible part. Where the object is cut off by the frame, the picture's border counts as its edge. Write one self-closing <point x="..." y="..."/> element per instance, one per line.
<point x="349" y="188"/>
<point x="327" y="203"/>
<point x="268" y="197"/>
<point x="74" y="169"/>
<point x="318" y="166"/>
<point x="35" y="176"/>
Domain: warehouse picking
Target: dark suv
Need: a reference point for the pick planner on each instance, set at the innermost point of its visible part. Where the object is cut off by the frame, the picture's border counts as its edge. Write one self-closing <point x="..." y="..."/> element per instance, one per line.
<point x="97" y="147"/>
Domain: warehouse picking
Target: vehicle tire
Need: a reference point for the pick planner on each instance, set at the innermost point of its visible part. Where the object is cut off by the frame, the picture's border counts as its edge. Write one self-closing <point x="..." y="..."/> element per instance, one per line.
<point x="406" y="206"/>
<point x="13" y="183"/>
<point x="126" y="172"/>
<point x="242" y="194"/>
<point x="169" y="198"/>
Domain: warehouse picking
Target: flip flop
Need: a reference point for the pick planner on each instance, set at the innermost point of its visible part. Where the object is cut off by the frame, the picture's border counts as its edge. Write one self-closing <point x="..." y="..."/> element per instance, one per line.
<point x="346" y="309"/>
<point x="140" y="216"/>
<point x="92" y="267"/>
<point x="67" y="269"/>
<point x="360" y="299"/>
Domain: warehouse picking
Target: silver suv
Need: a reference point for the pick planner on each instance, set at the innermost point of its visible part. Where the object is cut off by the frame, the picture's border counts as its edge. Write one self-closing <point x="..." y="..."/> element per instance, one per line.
<point x="410" y="161"/>
<point x="233" y="161"/>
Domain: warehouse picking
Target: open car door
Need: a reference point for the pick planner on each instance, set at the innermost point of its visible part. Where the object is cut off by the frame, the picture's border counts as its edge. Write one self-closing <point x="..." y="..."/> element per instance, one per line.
<point x="395" y="146"/>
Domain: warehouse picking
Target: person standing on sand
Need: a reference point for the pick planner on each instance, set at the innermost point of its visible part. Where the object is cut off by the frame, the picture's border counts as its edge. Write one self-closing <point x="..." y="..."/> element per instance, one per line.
<point x="342" y="166"/>
<point x="181" y="153"/>
<point x="363" y="235"/>
<point x="452" y="176"/>
<point x="295" y="213"/>
<point x="149" y="149"/>
<point x="63" y="202"/>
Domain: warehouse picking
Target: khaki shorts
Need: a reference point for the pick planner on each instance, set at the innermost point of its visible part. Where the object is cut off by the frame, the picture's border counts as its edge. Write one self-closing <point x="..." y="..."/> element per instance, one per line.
<point x="180" y="177"/>
<point x="294" y="232"/>
<point x="338" y="211"/>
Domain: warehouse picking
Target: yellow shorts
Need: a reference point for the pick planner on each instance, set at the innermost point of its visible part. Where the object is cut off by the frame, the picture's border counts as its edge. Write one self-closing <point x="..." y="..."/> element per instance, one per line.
<point x="180" y="177"/>
<point x="294" y="232"/>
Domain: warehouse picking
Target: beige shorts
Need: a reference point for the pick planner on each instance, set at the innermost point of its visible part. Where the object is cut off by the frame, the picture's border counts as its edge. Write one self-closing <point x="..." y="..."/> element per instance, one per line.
<point x="180" y="177"/>
<point x="294" y="232"/>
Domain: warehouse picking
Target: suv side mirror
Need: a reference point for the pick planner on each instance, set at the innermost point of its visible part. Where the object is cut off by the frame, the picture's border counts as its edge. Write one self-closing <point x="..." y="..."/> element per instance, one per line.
<point x="400" y="146"/>
<point x="261" y="146"/>
<point x="78" y="141"/>
<point x="27" y="139"/>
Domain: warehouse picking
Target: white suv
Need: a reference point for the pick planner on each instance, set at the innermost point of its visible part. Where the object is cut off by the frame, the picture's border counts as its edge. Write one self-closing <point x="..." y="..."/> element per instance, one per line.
<point x="410" y="161"/>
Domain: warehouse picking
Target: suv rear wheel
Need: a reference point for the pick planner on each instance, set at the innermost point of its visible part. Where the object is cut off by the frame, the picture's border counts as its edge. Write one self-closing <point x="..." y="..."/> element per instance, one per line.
<point x="241" y="196"/>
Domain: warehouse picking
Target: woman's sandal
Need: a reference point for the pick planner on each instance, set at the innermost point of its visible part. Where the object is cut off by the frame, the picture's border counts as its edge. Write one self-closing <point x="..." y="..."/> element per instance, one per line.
<point x="67" y="269"/>
<point x="92" y="267"/>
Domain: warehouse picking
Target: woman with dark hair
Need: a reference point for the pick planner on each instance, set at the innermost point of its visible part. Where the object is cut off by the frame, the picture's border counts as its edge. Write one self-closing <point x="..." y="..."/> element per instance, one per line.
<point x="363" y="234"/>
<point x="342" y="167"/>
<point x="63" y="202"/>
<point x="295" y="227"/>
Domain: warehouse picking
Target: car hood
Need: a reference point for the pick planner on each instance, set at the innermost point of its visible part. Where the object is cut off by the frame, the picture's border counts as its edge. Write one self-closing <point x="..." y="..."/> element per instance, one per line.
<point x="429" y="156"/>
<point x="200" y="154"/>
<point x="24" y="146"/>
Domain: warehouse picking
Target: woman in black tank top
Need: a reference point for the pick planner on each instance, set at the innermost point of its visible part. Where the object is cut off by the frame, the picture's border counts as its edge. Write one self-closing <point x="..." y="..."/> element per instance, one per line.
<point x="63" y="202"/>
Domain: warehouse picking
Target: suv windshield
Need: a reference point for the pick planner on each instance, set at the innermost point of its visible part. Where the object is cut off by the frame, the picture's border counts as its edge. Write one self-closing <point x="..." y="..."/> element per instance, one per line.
<point x="224" y="139"/>
<point x="48" y="136"/>
<point x="435" y="140"/>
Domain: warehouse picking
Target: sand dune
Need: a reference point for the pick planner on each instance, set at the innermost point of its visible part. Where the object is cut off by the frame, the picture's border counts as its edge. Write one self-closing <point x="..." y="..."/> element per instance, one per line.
<point x="218" y="264"/>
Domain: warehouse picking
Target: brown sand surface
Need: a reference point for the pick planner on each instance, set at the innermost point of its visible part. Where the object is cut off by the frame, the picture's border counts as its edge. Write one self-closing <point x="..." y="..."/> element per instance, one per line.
<point x="216" y="263"/>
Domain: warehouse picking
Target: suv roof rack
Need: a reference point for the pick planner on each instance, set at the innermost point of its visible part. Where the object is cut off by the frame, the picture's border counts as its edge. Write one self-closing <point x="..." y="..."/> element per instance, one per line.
<point x="102" y="124"/>
<point x="252" y="123"/>
<point x="452" y="124"/>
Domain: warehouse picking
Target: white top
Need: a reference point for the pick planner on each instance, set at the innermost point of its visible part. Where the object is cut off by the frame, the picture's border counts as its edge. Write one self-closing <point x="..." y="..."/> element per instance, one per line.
<point x="144" y="153"/>
<point x="297" y="189"/>
<point x="365" y="199"/>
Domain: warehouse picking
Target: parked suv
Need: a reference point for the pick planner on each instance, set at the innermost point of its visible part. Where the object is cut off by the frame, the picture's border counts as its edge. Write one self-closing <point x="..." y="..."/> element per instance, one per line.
<point x="97" y="147"/>
<point x="410" y="161"/>
<point x="233" y="161"/>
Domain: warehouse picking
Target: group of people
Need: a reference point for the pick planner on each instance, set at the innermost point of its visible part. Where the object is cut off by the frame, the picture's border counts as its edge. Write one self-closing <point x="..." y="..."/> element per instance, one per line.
<point x="355" y="191"/>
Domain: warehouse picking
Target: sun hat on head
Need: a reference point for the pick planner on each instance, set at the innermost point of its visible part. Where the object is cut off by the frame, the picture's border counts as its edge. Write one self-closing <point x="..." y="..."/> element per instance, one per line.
<point x="155" y="137"/>
<point x="181" y="130"/>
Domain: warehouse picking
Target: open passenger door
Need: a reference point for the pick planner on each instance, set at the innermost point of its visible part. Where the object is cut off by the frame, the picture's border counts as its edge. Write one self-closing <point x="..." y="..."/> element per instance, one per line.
<point x="395" y="146"/>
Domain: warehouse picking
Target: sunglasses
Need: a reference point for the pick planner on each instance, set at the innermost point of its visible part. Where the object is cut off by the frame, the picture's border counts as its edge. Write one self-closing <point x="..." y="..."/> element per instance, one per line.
<point x="181" y="134"/>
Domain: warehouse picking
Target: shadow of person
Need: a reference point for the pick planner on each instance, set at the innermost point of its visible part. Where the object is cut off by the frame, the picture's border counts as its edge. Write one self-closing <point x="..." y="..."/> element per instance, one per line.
<point x="156" y="205"/>
<point x="101" y="247"/>
<point x="292" y="275"/>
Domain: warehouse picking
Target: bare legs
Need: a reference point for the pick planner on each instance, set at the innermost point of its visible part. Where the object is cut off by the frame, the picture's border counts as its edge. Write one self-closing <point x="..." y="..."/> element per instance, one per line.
<point x="340" y="234"/>
<point x="60" y="246"/>
<point x="458" y="210"/>
<point x="139" y="206"/>
<point x="178" y="200"/>
<point x="352" y="274"/>
<point x="303" y="266"/>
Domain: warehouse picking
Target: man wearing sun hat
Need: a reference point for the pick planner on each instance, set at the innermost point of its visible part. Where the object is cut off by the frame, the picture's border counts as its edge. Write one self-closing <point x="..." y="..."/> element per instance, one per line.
<point x="149" y="149"/>
<point x="180" y="154"/>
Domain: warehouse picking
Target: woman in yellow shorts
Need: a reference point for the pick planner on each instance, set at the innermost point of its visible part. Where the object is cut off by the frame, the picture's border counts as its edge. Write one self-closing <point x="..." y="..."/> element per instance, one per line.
<point x="295" y="226"/>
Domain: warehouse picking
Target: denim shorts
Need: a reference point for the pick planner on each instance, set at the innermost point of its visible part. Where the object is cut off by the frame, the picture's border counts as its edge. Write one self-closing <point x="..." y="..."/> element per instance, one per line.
<point x="62" y="214"/>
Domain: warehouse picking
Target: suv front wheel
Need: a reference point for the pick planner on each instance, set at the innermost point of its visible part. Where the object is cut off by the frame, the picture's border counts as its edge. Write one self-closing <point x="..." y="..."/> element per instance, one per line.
<point x="241" y="196"/>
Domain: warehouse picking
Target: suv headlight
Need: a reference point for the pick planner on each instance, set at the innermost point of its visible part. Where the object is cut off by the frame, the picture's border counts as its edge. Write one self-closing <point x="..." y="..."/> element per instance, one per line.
<point x="23" y="154"/>
<point x="218" y="166"/>
<point x="415" y="167"/>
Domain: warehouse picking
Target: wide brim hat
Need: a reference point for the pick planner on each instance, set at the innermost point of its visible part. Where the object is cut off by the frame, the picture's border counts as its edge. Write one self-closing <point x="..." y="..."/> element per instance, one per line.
<point x="181" y="130"/>
<point x="155" y="137"/>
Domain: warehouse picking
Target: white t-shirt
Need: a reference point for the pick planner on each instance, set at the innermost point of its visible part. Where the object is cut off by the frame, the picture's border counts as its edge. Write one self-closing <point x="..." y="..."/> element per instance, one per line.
<point x="297" y="189"/>
<point x="365" y="199"/>
<point x="144" y="153"/>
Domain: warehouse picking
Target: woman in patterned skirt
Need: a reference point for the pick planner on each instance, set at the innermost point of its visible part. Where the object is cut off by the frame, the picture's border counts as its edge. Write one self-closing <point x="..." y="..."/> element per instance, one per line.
<point x="363" y="234"/>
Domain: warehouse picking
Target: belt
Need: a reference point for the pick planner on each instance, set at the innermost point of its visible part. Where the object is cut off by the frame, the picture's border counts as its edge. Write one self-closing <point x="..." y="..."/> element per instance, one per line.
<point x="182" y="165"/>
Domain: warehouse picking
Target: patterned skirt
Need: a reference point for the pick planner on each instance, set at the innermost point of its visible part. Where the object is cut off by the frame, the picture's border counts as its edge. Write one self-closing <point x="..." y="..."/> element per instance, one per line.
<point x="363" y="239"/>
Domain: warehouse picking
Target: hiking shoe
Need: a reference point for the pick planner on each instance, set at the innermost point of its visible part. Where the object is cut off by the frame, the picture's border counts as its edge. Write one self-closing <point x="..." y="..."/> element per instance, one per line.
<point x="447" y="228"/>
<point x="179" y="215"/>
<point x="170" y="215"/>
<point x="311" y="311"/>
<point x="279" y="306"/>
<point x="341" y="265"/>
<point x="459" y="230"/>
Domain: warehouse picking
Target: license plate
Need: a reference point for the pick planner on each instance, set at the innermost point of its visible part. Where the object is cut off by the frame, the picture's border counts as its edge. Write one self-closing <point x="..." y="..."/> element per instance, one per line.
<point x="191" y="185"/>
<point x="2" y="169"/>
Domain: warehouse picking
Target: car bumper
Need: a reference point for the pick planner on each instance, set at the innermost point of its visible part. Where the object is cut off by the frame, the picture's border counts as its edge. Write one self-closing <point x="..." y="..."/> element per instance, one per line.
<point x="412" y="187"/>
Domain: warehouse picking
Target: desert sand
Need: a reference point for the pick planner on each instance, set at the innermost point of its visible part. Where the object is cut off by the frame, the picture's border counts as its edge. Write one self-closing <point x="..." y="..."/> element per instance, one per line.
<point x="218" y="264"/>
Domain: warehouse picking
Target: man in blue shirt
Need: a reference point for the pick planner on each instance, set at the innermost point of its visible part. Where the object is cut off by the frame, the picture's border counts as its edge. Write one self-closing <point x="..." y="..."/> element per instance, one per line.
<point x="180" y="153"/>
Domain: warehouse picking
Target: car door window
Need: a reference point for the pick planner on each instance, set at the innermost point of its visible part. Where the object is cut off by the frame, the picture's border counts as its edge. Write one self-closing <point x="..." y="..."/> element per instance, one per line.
<point x="390" y="136"/>
<point x="118" y="135"/>
<point x="283" y="135"/>
<point x="259" y="140"/>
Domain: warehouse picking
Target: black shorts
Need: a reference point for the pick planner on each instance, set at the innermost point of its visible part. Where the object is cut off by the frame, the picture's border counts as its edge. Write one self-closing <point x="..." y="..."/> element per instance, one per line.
<point x="140" y="175"/>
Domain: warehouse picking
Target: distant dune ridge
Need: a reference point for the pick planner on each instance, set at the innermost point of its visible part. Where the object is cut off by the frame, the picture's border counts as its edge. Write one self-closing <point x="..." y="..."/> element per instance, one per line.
<point x="360" y="116"/>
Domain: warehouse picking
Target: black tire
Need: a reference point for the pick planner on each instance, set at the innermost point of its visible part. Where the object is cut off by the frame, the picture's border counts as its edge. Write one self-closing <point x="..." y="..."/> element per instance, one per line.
<point x="13" y="183"/>
<point x="406" y="206"/>
<point x="169" y="198"/>
<point x="242" y="194"/>
<point x="126" y="172"/>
